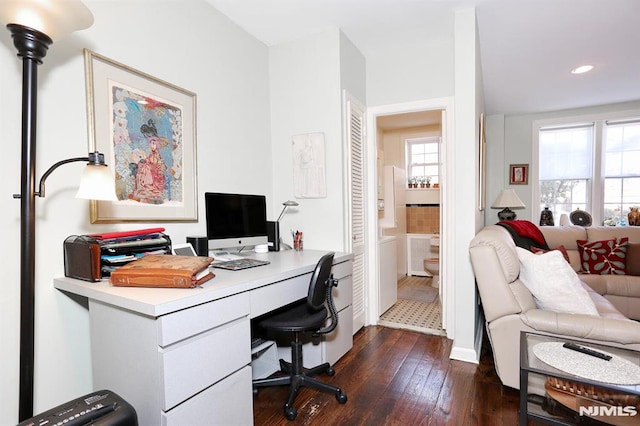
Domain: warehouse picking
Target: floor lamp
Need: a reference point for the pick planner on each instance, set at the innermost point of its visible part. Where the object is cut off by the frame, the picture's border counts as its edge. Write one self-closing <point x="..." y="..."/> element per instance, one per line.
<point x="34" y="25"/>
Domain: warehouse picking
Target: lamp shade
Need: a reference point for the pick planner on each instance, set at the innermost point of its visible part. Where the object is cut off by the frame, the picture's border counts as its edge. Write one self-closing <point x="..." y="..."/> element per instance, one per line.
<point x="55" y="18"/>
<point x="288" y="203"/>
<point x="97" y="183"/>
<point x="508" y="198"/>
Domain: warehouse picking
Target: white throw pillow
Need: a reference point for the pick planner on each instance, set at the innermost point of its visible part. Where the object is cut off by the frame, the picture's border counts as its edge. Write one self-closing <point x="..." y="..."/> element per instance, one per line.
<point x="553" y="283"/>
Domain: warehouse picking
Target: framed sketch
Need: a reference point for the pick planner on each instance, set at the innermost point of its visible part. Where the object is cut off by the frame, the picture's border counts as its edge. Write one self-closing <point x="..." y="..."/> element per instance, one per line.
<point x="146" y="128"/>
<point x="518" y="174"/>
<point x="482" y="166"/>
<point x="309" y="178"/>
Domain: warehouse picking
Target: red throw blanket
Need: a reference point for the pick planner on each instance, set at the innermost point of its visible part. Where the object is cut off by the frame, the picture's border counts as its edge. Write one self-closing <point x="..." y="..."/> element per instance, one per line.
<point x="525" y="229"/>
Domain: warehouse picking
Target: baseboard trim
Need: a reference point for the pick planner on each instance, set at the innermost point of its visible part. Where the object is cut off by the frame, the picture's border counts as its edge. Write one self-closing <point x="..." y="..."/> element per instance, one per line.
<point x="466" y="354"/>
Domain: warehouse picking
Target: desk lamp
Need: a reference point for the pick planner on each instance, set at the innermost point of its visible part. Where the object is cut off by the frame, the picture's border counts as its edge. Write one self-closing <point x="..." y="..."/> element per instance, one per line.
<point x="34" y="25"/>
<point x="273" y="228"/>
<point x="507" y="199"/>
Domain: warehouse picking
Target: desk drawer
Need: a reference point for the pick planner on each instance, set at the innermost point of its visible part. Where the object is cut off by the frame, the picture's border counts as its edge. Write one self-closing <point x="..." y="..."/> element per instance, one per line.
<point x="190" y="366"/>
<point x="343" y="294"/>
<point x="189" y="322"/>
<point x="343" y="269"/>
<point x="270" y="297"/>
<point x="229" y="402"/>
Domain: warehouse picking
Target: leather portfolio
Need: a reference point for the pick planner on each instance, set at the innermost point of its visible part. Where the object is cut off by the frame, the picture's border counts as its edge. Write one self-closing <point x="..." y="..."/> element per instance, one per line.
<point x="164" y="271"/>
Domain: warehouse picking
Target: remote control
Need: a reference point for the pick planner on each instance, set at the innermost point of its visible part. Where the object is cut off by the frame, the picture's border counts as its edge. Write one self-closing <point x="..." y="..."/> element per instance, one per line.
<point x="588" y="351"/>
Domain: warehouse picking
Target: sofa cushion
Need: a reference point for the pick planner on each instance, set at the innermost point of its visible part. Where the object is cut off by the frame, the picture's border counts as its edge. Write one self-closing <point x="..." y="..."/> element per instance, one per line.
<point x="604" y="256"/>
<point x="553" y="283"/>
<point x="561" y="249"/>
<point x="633" y="259"/>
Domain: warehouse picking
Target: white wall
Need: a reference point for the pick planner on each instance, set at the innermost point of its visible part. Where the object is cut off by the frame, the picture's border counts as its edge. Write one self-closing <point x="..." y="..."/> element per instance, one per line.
<point x="398" y="73"/>
<point x="509" y="141"/>
<point x="463" y="217"/>
<point x="194" y="47"/>
<point x="307" y="77"/>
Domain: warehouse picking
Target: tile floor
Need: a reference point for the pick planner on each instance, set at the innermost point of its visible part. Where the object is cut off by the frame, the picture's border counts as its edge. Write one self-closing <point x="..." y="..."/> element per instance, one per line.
<point x="416" y="315"/>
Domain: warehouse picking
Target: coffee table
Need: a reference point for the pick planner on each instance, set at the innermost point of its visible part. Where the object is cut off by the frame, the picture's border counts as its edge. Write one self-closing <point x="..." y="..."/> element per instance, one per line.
<point x="533" y="371"/>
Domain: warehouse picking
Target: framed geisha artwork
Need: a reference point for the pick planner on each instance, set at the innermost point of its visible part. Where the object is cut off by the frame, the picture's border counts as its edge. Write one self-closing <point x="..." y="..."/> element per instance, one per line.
<point x="147" y="130"/>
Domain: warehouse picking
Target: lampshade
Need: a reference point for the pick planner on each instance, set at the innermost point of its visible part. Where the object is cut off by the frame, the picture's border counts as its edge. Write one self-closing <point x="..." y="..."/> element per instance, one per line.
<point x="97" y="183"/>
<point x="508" y="198"/>
<point x="55" y="18"/>
<point x="288" y="203"/>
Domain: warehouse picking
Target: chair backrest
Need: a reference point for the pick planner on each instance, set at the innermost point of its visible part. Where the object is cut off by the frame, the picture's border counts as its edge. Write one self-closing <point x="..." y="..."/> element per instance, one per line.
<point x="317" y="286"/>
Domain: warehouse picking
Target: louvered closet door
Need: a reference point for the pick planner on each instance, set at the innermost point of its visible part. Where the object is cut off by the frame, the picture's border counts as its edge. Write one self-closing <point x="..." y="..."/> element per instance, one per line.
<point x="355" y="140"/>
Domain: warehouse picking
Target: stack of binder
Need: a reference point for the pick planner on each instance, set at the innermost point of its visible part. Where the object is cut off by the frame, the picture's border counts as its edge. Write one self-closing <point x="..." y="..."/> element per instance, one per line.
<point x="95" y="256"/>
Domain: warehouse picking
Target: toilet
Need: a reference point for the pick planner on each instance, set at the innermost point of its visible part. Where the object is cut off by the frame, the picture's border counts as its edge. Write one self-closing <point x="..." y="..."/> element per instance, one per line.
<point x="432" y="261"/>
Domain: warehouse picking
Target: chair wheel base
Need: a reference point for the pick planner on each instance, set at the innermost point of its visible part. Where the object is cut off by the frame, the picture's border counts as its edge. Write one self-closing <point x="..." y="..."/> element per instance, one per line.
<point x="330" y="371"/>
<point x="290" y="412"/>
<point x="341" y="397"/>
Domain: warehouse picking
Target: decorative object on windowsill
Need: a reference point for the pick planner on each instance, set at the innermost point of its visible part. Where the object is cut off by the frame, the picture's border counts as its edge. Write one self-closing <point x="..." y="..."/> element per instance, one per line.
<point x="412" y="183"/>
<point x="507" y="200"/>
<point x="634" y="216"/>
<point x="425" y="182"/>
<point x="546" y="217"/>
<point x="580" y="218"/>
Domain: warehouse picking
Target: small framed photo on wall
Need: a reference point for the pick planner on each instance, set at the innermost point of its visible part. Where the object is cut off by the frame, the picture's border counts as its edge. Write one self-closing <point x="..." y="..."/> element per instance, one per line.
<point x="519" y="174"/>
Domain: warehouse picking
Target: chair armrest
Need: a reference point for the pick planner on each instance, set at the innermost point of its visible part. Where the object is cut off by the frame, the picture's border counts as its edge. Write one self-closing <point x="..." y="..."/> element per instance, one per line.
<point x="623" y="331"/>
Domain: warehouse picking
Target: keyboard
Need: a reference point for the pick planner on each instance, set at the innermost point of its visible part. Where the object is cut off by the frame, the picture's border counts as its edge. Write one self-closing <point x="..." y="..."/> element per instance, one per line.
<point x="238" y="264"/>
<point x="225" y="256"/>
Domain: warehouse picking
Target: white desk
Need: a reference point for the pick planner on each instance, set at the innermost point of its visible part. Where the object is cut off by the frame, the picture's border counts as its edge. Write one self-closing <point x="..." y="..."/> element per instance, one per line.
<point x="182" y="356"/>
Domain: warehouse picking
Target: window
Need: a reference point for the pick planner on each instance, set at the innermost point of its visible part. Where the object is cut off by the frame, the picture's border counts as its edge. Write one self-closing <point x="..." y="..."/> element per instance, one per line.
<point x="565" y="168"/>
<point x="621" y="170"/>
<point x="592" y="166"/>
<point x="423" y="159"/>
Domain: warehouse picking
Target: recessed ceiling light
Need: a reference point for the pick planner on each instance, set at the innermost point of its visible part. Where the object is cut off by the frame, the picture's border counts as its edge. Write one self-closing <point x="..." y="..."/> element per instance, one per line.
<point x="582" y="69"/>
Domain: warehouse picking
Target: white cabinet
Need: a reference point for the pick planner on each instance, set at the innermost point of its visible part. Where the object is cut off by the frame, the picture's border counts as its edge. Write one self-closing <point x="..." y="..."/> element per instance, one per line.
<point x="159" y="364"/>
<point x="394" y="198"/>
<point x="388" y="273"/>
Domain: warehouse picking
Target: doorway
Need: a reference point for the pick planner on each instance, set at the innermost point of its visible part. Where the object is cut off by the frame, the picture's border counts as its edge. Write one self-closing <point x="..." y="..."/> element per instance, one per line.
<point x="407" y="119"/>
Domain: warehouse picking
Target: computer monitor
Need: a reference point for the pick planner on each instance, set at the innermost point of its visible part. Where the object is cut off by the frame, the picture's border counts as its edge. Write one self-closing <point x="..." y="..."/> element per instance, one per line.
<point x="235" y="220"/>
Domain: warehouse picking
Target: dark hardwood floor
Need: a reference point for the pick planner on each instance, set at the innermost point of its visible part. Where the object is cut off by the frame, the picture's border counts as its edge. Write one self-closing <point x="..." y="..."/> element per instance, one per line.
<point x="397" y="377"/>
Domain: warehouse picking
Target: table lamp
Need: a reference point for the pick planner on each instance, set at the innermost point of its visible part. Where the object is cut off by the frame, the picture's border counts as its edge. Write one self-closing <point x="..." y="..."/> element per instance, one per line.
<point x="507" y="200"/>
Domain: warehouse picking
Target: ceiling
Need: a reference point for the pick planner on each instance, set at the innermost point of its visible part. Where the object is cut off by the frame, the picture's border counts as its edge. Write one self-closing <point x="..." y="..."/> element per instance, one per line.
<point x="527" y="47"/>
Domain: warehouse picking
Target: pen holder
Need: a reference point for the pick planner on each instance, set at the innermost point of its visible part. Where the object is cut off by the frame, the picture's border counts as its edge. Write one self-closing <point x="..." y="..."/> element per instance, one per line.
<point x="297" y="241"/>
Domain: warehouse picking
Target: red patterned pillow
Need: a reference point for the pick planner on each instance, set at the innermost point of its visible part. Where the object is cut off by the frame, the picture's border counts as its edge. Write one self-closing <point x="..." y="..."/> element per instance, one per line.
<point x="561" y="249"/>
<point x="604" y="257"/>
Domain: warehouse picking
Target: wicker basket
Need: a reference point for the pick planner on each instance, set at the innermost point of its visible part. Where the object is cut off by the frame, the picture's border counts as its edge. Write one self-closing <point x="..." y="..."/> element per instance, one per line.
<point x="574" y="395"/>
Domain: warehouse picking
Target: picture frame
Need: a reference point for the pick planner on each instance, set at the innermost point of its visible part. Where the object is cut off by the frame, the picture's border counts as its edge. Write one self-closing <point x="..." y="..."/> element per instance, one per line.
<point x="482" y="173"/>
<point x="309" y="171"/>
<point x="183" y="249"/>
<point x="518" y="174"/>
<point x="146" y="128"/>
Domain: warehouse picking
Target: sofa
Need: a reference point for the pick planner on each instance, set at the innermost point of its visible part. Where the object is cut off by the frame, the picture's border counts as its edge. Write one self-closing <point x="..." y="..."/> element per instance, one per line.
<point x="509" y="306"/>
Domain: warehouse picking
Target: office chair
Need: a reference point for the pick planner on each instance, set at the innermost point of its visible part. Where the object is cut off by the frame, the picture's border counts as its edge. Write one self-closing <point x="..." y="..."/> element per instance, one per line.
<point x="305" y="316"/>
